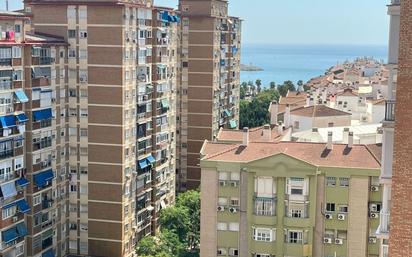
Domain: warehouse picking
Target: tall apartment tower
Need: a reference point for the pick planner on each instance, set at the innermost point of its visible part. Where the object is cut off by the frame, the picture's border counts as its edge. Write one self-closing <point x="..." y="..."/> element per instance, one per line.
<point x="33" y="200"/>
<point x="119" y="122"/>
<point x="400" y="237"/>
<point x="210" y="81"/>
<point x="388" y="126"/>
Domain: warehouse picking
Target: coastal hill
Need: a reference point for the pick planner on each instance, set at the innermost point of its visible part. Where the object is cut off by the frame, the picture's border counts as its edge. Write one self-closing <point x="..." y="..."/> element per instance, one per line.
<point x="250" y="67"/>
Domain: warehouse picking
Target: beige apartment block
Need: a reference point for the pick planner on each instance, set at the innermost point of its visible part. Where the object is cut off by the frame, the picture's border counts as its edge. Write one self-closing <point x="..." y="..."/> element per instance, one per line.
<point x="209" y="81"/>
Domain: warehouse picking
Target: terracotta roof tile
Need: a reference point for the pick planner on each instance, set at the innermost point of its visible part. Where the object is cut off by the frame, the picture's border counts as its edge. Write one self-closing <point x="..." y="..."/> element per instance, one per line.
<point x="255" y="134"/>
<point x="318" y="111"/>
<point x="359" y="156"/>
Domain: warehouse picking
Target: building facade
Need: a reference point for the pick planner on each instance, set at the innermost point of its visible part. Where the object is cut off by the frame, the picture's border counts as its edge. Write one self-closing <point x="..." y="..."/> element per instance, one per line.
<point x="88" y="125"/>
<point x="265" y="199"/>
<point x="388" y="126"/>
<point x="209" y="81"/>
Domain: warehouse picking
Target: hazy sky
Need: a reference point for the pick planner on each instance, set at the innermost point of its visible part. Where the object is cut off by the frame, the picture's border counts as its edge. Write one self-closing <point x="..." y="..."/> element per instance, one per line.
<point x="304" y="21"/>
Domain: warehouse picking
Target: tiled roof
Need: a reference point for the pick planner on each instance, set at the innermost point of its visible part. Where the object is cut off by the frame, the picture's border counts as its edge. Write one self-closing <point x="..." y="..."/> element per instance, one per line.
<point x="293" y="99"/>
<point x="358" y="156"/>
<point x="318" y="111"/>
<point x="378" y="101"/>
<point x="348" y="92"/>
<point x="255" y="134"/>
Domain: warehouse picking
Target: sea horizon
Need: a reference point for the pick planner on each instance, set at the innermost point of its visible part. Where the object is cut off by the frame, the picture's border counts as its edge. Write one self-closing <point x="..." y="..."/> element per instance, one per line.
<point x="304" y="61"/>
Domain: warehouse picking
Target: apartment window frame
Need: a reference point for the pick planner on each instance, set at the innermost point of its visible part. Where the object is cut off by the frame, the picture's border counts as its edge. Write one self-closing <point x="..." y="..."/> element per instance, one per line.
<point x="330" y="207"/>
<point x="263" y="234"/>
<point x="344" y="182"/>
<point x="331" y="181"/>
<point x="295" y="237"/>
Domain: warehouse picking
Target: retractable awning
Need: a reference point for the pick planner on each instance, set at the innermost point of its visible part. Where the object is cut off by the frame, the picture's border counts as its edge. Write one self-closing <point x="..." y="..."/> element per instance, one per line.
<point x="142" y="164"/>
<point x="42" y="178"/>
<point x="22" y="117"/>
<point x="48" y="253"/>
<point x="8" y="121"/>
<point x="8" y="190"/>
<point x="22" y="182"/>
<point x="9" y="235"/>
<point x="164" y="103"/>
<point x="44" y="114"/>
<point x="232" y="124"/>
<point x="151" y="159"/>
<point x="23" y="206"/>
<point x="21" y="229"/>
<point x="21" y="96"/>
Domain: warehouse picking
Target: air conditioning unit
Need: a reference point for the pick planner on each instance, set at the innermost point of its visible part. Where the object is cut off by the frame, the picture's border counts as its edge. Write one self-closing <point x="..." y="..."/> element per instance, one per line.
<point x="327" y="240"/>
<point x="222" y="183"/>
<point x="373" y="207"/>
<point x="220" y="208"/>
<point x="338" y="241"/>
<point x="374" y="188"/>
<point x="15" y="218"/>
<point x="341" y="216"/>
<point x="233" y="210"/>
<point x="372" y="240"/>
<point x="328" y="216"/>
<point x="374" y="215"/>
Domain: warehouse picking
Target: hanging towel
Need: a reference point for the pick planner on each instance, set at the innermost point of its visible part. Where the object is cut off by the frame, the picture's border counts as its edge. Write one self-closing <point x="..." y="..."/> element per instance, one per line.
<point x="11" y="35"/>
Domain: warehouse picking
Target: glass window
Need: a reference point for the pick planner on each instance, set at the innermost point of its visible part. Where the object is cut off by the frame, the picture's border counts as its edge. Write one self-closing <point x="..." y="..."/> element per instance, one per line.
<point x="344" y="182"/>
<point x="295" y="237"/>
<point x="330" y="207"/>
<point x="331" y="181"/>
<point x="263" y="234"/>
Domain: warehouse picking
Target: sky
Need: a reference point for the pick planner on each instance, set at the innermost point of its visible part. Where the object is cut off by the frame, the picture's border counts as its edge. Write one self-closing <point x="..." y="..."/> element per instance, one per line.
<point x="357" y="22"/>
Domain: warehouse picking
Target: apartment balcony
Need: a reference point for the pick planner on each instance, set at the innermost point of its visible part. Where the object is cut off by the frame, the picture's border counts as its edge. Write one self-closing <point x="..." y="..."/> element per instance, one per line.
<point x="5" y="61"/>
<point x="390" y="110"/>
<point x="384" y="225"/>
<point x="301" y="198"/>
<point x="264" y="206"/>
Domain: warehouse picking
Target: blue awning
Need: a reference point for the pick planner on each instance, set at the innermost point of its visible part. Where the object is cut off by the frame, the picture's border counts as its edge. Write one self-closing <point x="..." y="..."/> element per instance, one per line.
<point x="22" y="117"/>
<point x="8" y="121"/>
<point x="8" y="205"/>
<point x="222" y="62"/>
<point x="42" y="178"/>
<point x="177" y="19"/>
<point x="21" y="229"/>
<point x="22" y="182"/>
<point x="44" y="114"/>
<point x="227" y="113"/>
<point x="21" y="96"/>
<point x="9" y="235"/>
<point x="8" y="190"/>
<point x="142" y="164"/>
<point x="23" y="206"/>
<point x="48" y="253"/>
<point x="151" y="159"/>
<point x="165" y="16"/>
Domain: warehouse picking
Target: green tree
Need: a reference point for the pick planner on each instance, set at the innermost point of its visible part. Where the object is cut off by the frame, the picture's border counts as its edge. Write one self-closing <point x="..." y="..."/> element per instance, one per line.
<point x="300" y="84"/>
<point x="272" y="85"/>
<point x="285" y="87"/>
<point x="190" y="201"/>
<point x="175" y="219"/>
<point x="258" y="85"/>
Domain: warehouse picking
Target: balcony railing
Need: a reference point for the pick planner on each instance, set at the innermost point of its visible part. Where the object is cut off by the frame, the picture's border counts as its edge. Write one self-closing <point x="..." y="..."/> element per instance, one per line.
<point x="390" y="110"/>
<point x="265" y="206"/>
<point x="384" y="250"/>
<point x="384" y="222"/>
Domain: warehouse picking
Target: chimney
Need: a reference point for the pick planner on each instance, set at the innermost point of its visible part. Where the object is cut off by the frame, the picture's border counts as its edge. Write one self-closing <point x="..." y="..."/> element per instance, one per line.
<point x="345" y="135"/>
<point x="245" y="136"/>
<point x="274" y="110"/>
<point x="329" y="144"/>
<point x="287" y="116"/>
<point x="267" y="133"/>
<point x="350" y="140"/>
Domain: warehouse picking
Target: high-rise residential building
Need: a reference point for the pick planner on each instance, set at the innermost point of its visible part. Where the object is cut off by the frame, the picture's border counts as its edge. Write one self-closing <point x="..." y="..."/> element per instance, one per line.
<point x="209" y="84"/>
<point x="401" y="208"/>
<point x="388" y="126"/>
<point x="266" y="198"/>
<point x="33" y="199"/>
<point x="99" y="144"/>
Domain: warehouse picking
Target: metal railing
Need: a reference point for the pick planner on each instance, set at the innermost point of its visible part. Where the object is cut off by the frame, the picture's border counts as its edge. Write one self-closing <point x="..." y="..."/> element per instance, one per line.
<point x="390" y="110"/>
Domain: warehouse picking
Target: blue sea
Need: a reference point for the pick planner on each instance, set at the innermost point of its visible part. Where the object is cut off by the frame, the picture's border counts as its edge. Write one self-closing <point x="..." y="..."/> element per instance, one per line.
<point x="300" y="62"/>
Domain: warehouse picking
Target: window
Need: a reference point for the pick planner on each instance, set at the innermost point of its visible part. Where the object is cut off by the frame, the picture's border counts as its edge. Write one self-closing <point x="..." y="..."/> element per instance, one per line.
<point x="71" y="33"/>
<point x="83" y="132"/>
<point x="83" y="54"/>
<point x="296" y="213"/>
<point x="263" y="234"/>
<point x="233" y="226"/>
<point x="344" y="182"/>
<point x="185" y="64"/>
<point x="16" y="52"/>
<point x="234" y="201"/>
<point x="17" y="28"/>
<point x="295" y="186"/>
<point x="83" y="34"/>
<point x="264" y="207"/>
<point x="222" y="201"/>
<point x="222" y="175"/>
<point x="72" y="53"/>
<point x="264" y="187"/>
<point x="261" y="255"/>
<point x="330" y="124"/>
<point x="83" y="92"/>
<point x="7" y="213"/>
<point x="235" y="176"/>
<point x="295" y="237"/>
<point x="330" y="207"/>
<point x="331" y="181"/>
<point x="221" y="226"/>
<point x="83" y="112"/>
<point x="36" y="200"/>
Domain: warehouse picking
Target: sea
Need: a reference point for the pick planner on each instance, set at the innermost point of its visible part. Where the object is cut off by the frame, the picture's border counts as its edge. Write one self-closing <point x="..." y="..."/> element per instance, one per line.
<point x="300" y="62"/>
